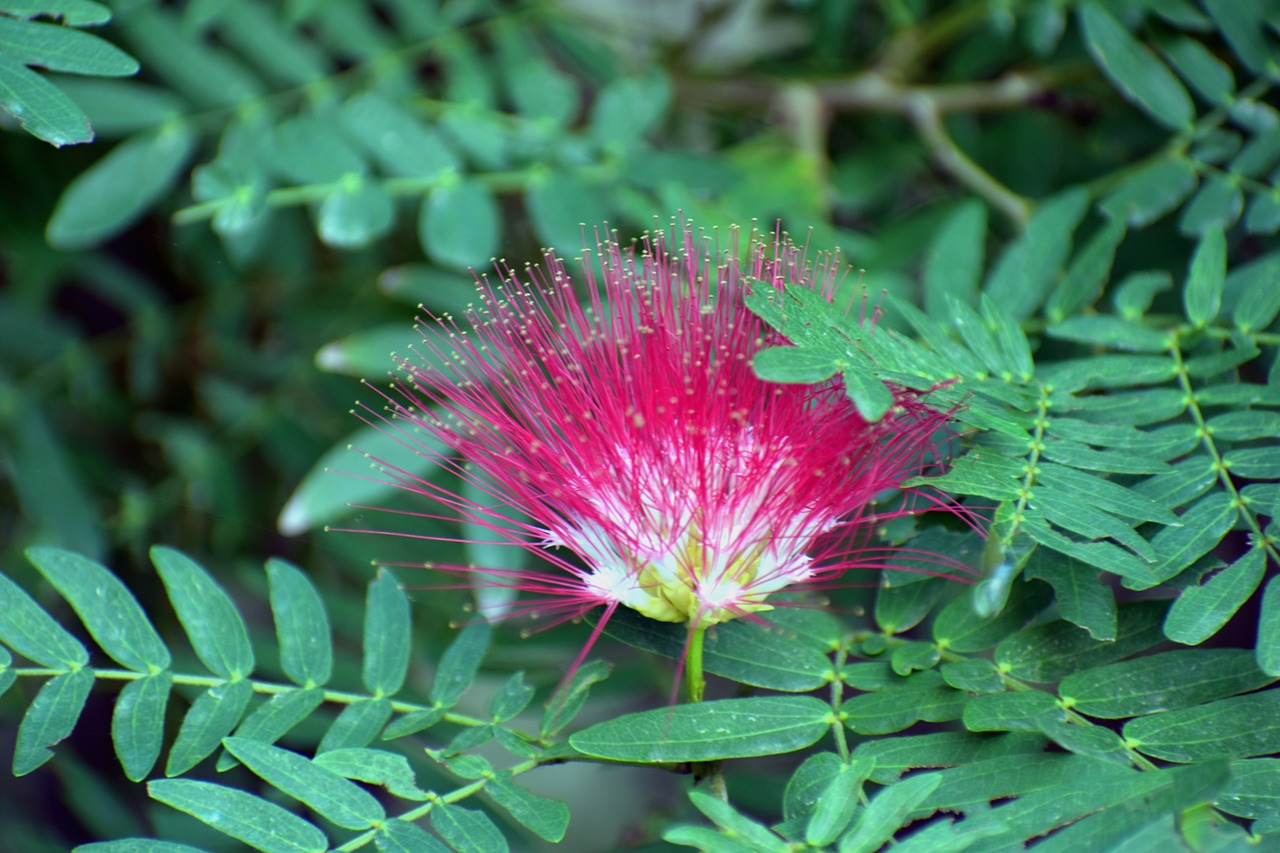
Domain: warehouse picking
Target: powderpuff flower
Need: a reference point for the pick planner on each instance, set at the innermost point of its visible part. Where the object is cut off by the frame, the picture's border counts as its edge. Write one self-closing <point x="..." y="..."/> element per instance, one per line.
<point x="623" y="422"/>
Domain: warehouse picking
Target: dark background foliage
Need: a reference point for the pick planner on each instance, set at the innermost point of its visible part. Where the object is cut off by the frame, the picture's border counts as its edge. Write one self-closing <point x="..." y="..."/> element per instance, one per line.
<point x="253" y="209"/>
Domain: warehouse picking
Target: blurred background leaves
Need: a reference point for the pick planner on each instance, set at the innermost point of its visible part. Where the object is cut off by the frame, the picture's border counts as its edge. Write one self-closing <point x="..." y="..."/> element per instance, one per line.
<point x="256" y="196"/>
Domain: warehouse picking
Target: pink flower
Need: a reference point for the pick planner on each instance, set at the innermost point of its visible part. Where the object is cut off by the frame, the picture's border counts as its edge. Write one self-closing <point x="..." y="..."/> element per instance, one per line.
<point x="655" y="470"/>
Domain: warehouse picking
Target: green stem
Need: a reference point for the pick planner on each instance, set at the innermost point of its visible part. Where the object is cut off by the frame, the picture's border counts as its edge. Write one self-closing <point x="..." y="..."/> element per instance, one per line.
<point x="709" y="774"/>
<point x="695" y="681"/>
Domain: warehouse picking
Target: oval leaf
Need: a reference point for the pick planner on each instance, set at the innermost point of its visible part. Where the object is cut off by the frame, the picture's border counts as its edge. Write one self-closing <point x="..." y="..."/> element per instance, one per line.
<point x="709" y="731"/>
<point x="243" y="816"/>
<point x="1135" y="70"/>
<point x="387" y="636"/>
<point x="105" y="606"/>
<point x="332" y="796"/>
<point x="212" y="623"/>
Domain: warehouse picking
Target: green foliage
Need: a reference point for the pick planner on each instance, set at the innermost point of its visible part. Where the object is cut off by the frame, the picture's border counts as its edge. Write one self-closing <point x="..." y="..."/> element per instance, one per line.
<point x="1066" y="212"/>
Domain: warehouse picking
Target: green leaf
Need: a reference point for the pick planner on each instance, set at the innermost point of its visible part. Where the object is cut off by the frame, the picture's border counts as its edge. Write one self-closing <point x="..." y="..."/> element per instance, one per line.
<point x="119" y="108"/>
<point x="137" y="724"/>
<point x="1188" y="480"/>
<point x="1208" y="75"/>
<point x="1217" y="205"/>
<point x="903" y="607"/>
<point x="66" y="49"/>
<point x="355" y="214"/>
<point x="1245" y="426"/>
<point x="302" y="625"/>
<point x="869" y="394"/>
<point x="1081" y="598"/>
<point x="972" y="676"/>
<point x="920" y="696"/>
<point x="908" y="657"/>
<point x="1134" y="295"/>
<point x="50" y="719"/>
<point x="512" y="698"/>
<point x="807" y="784"/>
<point x="357" y="725"/>
<point x="1254" y="790"/>
<point x="1203" y="526"/>
<point x="736" y="825"/>
<point x="7" y="675"/>
<point x="1005" y="712"/>
<point x="1162" y="682"/>
<point x="895" y="755"/>
<point x="1027" y="267"/>
<point x="1089" y="740"/>
<point x="565" y="210"/>
<point x="376" y="767"/>
<point x="548" y="819"/>
<point x="571" y="694"/>
<point x="1011" y="341"/>
<point x="1239" y="727"/>
<point x="1088" y="272"/>
<point x="627" y="108"/>
<point x="388" y="636"/>
<point x="1263" y="216"/>
<point x="40" y="107"/>
<point x="1103" y="494"/>
<point x="1107" y="805"/>
<point x="243" y="816"/>
<point x="466" y="830"/>
<point x="1255" y="463"/>
<point x="837" y="802"/>
<point x="324" y="791"/>
<point x="1258" y="305"/>
<point x="1107" y="331"/>
<point x="1201" y="611"/>
<point x="953" y="264"/>
<point x="459" y="664"/>
<point x="1268" y="646"/>
<point x="770" y="655"/>
<point x="412" y="723"/>
<point x="1020" y="775"/>
<point x="1151" y="191"/>
<point x="537" y="87"/>
<point x="402" y="145"/>
<point x="211" y="718"/>
<point x="1242" y="25"/>
<point x="274" y="718"/>
<point x="959" y="628"/>
<point x="74" y="13"/>
<point x="39" y="462"/>
<point x="1102" y="555"/>
<point x="116" y="191"/>
<point x="1203" y="294"/>
<point x="1136" y="71"/>
<point x="212" y="623"/>
<point x="459" y="224"/>
<point x="1065" y="512"/>
<point x="887" y="812"/>
<point x="26" y="628"/>
<point x="399" y="836"/>
<point x="705" y="839"/>
<point x="793" y="364"/>
<point x="280" y="49"/>
<point x="1047" y="653"/>
<point x="106" y="607"/>
<point x="309" y="150"/>
<point x="709" y="731"/>
<point x="136" y="845"/>
<point x="977" y="336"/>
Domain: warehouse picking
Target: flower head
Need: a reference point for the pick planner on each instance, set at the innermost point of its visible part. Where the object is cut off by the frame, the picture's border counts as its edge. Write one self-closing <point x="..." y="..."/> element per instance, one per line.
<point x="654" y="469"/>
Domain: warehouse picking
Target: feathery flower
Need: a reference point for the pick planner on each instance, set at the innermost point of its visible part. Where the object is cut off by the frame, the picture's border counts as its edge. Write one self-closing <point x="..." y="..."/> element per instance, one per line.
<point x="654" y="469"/>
